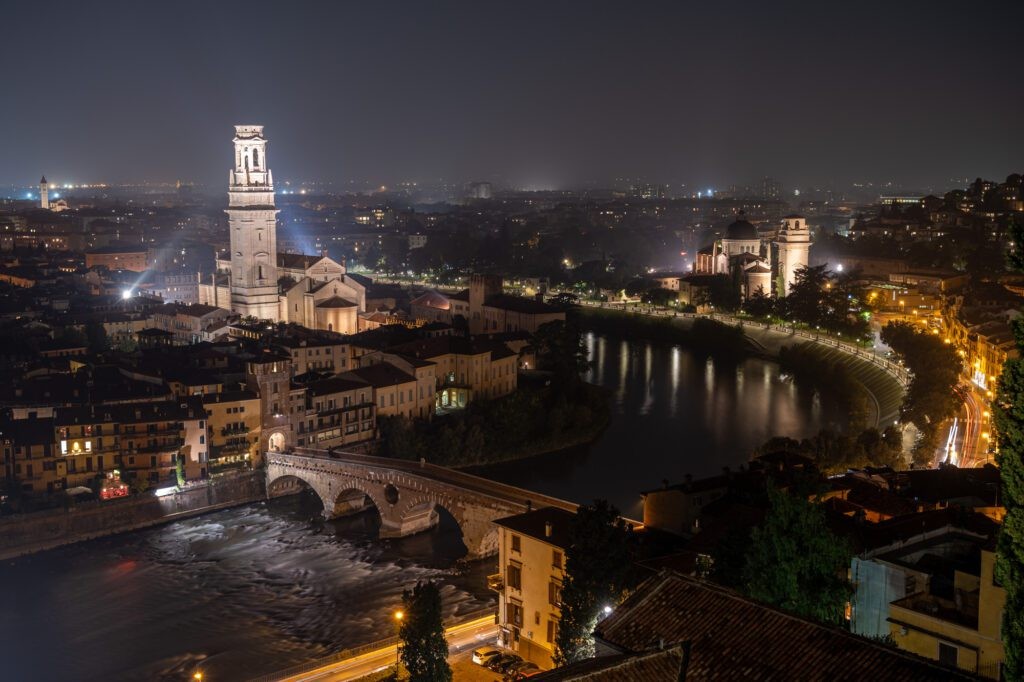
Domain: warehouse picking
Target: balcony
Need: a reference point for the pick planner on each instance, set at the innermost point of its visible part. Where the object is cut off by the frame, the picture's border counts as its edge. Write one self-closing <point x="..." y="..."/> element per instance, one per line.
<point x="170" y="444"/>
<point x="496" y="582"/>
<point x="235" y="430"/>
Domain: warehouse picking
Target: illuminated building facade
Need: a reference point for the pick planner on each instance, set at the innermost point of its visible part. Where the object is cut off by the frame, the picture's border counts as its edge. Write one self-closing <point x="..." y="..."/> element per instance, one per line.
<point x="252" y="221"/>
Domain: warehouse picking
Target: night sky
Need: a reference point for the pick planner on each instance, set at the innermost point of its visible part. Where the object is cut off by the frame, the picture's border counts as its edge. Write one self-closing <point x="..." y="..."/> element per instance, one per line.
<point x="537" y="94"/>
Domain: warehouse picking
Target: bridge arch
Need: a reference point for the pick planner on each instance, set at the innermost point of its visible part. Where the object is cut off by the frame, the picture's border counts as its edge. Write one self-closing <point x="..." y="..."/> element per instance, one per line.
<point x="287" y="484"/>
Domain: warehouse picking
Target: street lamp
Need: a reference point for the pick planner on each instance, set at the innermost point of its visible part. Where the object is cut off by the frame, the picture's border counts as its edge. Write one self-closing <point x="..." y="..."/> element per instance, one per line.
<point x="197" y="676"/>
<point x="399" y="615"/>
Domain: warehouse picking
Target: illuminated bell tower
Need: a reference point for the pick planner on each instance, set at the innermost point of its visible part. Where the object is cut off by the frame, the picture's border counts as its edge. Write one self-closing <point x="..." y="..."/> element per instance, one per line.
<point x="793" y="244"/>
<point x="44" y="194"/>
<point x="252" y="220"/>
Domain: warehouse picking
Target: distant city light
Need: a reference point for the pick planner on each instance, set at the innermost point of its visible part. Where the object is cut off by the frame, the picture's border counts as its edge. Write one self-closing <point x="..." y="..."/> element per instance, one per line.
<point x="126" y="294"/>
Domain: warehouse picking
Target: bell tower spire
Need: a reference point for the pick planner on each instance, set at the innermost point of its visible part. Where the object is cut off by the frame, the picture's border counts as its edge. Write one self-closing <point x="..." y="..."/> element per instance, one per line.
<point x="252" y="220"/>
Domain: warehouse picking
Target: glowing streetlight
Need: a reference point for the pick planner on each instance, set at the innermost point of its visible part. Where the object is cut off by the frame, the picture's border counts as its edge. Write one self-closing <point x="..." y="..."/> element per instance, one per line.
<point x="197" y="676"/>
<point x="399" y="615"/>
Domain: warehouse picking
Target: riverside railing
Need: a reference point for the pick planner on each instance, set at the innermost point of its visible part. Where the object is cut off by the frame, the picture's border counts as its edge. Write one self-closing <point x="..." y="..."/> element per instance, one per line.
<point x="897" y="371"/>
<point x="346" y="654"/>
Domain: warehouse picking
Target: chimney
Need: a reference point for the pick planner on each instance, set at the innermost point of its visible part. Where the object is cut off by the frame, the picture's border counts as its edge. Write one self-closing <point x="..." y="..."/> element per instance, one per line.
<point x="547" y="529"/>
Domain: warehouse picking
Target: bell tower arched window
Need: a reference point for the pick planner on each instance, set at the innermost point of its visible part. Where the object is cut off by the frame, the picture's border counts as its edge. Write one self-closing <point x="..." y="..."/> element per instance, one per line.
<point x="256" y="159"/>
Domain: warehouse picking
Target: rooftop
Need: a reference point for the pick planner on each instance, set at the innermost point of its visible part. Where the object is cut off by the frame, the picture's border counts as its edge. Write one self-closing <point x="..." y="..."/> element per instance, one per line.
<point x="535" y="523"/>
<point x="733" y="637"/>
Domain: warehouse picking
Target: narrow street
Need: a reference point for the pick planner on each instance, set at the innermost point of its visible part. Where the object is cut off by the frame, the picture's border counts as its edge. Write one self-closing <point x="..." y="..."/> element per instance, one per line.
<point x="461" y="639"/>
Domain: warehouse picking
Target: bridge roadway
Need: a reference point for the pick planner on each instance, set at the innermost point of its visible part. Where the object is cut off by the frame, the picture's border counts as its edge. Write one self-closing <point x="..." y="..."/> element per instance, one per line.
<point x="405" y="493"/>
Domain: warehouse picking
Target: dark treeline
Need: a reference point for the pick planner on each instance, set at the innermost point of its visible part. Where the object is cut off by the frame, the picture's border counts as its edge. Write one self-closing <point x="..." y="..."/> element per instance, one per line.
<point x="529" y="422"/>
<point x="932" y="396"/>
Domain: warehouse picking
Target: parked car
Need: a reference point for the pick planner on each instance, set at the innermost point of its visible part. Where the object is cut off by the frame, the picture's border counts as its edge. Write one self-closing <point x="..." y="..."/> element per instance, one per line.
<point x="485" y="655"/>
<point x="522" y="670"/>
<point x="500" y="663"/>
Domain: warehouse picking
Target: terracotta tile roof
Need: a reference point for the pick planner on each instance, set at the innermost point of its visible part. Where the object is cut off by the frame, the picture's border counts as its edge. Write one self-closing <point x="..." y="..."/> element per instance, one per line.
<point x="649" y="666"/>
<point x="336" y="302"/>
<point x="735" y="638"/>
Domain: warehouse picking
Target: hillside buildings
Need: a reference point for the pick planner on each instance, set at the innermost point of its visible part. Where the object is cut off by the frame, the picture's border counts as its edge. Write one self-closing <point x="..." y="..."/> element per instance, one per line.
<point x="485" y="308"/>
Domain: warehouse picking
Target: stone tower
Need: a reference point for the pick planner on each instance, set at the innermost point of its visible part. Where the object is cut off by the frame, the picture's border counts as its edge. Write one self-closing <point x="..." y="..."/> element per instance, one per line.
<point x="481" y="288"/>
<point x="252" y="220"/>
<point x="44" y="194"/>
<point x="794" y="245"/>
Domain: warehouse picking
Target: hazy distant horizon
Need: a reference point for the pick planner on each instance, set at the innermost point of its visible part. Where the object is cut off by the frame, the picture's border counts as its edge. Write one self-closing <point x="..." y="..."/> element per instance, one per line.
<point x="528" y="94"/>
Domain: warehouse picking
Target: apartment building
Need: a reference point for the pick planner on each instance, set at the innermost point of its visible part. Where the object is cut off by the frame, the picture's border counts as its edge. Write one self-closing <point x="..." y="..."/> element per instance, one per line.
<point x="531" y="564"/>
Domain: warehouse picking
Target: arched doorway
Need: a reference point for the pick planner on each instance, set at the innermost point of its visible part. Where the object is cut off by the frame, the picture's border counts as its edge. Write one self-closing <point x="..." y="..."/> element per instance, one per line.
<point x="276" y="442"/>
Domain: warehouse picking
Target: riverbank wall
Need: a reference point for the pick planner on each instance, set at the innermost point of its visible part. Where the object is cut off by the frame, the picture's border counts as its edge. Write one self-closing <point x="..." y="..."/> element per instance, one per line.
<point x="38" y="531"/>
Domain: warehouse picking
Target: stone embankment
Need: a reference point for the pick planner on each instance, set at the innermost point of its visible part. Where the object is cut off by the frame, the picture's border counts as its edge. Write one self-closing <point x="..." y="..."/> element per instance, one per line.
<point x="23" y="534"/>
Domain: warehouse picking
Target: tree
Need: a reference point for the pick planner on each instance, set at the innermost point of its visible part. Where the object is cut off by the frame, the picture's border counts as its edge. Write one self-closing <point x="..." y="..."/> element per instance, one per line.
<point x="96" y="337"/>
<point x="658" y="296"/>
<point x="561" y="350"/>
<point x="932" y="394"/>
<point x="1008" y="414"/>
<point x="795" y="562"/>
<point x="179" y="470"/>
<point x="759" y="304"/>
<point x="424" y="650"/>
<point x="805" y="300"/>
<point x="596" y="568"/>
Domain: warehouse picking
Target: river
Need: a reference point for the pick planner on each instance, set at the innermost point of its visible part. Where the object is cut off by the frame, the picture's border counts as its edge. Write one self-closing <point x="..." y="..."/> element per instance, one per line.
<point x="257" y="588"/>
<point x="673" y="413"/>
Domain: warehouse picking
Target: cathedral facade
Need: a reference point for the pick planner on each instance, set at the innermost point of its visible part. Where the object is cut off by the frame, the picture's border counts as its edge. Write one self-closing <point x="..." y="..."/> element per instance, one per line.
<point x="757" y="260"/>
<point x="253" y="279"/>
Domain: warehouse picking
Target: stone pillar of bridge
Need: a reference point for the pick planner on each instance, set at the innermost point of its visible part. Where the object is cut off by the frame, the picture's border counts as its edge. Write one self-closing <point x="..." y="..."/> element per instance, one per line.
<point x="479" y="533"/>
<point x="395" y="524"/>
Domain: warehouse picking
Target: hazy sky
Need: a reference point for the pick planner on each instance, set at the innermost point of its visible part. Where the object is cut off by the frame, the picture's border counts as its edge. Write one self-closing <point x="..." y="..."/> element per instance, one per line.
<point x="538" y="93"/>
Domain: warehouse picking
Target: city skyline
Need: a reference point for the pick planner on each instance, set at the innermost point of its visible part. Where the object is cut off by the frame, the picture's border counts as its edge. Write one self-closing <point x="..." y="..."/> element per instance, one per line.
<point x="531" y="97"/>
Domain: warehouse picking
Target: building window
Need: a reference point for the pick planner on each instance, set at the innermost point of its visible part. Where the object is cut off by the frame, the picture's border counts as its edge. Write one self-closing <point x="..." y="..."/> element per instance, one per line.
<point x="515" y="614"/>
<point x="515" y="576"/>
<point x="552" y="630"/>
<point x="556" y="559"/>
<point x="516" y="544"/>
<point x="554" y="593"/>
<point x="947" y="654"/>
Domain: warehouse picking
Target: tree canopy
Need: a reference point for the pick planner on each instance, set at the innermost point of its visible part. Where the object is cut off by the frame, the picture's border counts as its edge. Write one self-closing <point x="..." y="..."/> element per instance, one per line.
<point x="424" y="650"/>
<point x="596" y="568"/>
<point x="1008" y="415"/>
<point x="932" y="396"/>
<point x="795" y="562"/>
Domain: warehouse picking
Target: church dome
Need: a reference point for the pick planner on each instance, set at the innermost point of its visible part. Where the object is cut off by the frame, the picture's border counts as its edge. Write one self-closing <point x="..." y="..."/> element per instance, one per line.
<point x="741" y="230"/>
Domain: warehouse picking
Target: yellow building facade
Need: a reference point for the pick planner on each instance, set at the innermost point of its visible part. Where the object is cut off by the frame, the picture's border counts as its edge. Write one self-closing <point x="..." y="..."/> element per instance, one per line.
<point x="963" y="631"/>
<point x="531" y="561"/>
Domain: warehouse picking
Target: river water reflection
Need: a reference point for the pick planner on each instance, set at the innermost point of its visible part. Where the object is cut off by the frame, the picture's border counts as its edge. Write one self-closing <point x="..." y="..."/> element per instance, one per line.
<point x="673" y="413"/>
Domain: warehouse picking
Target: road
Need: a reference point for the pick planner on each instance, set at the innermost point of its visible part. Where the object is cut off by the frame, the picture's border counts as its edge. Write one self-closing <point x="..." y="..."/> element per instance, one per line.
<point x="973" y="427"/>
<point x="461" y="638"/>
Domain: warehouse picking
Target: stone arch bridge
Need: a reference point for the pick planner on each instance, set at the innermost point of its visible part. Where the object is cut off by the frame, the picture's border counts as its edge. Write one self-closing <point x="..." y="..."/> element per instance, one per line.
<point x="406" y="494"/>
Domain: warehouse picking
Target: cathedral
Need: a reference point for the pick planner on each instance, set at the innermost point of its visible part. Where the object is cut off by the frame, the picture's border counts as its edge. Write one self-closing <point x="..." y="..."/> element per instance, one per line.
<point x="253" y="279"/>
<point x="757" y="259"/>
